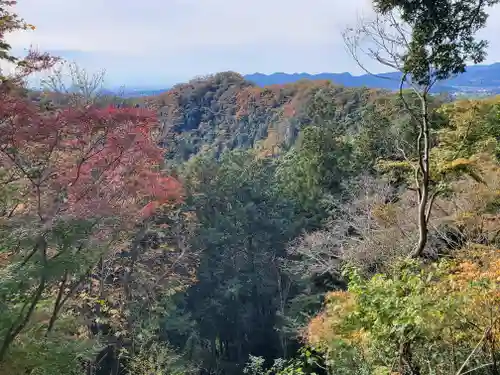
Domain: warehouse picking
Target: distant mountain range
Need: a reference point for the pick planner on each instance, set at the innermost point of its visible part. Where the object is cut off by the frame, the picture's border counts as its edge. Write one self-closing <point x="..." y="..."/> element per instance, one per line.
<point x="478" y="80"/>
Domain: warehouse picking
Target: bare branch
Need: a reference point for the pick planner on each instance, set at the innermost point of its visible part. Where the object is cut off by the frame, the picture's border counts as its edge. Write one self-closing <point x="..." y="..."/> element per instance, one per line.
<point x="70" y="81"/>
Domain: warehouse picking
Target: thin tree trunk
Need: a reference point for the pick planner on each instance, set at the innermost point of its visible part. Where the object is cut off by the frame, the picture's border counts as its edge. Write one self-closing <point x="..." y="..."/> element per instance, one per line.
<point x="406" y="365"/>
<point x="22" y="321"/>
<point x="57" y="303"/>
<point x="60" y="301"/>
<point x="423" y="208"/>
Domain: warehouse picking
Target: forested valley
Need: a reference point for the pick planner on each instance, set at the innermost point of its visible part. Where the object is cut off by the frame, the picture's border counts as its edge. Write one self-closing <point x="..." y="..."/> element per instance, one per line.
<point x="222" y="228"/>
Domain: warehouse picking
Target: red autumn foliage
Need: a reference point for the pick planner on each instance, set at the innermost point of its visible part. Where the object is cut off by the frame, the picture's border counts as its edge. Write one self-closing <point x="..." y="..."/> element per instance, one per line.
<point x="81" y="162"/>
<point x="76" y="162"/>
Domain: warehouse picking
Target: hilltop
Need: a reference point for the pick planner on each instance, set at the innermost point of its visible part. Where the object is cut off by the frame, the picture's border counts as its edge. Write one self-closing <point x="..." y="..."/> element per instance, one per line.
<point x="225" y="111"/>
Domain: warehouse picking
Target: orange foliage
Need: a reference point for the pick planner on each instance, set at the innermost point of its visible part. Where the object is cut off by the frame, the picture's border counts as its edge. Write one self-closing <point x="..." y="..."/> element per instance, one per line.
<point x="327" y="326"/>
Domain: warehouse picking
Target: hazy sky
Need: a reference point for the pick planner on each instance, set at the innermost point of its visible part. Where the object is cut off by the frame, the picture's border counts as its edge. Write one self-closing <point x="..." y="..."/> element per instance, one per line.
<point x="167" y="41"/>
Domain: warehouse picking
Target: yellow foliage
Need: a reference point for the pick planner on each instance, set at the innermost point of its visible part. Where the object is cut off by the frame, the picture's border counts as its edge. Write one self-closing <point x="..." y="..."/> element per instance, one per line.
<point x="470" y="129"/>
<point x="328" y="326"/>
<point x="480" y="263"/>
<point x="459" y="162"/>
<point x="385" y="165"/>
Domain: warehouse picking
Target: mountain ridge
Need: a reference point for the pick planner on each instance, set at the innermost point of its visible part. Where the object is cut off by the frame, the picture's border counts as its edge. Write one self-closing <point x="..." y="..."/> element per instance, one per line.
<point x="478" y="79"/>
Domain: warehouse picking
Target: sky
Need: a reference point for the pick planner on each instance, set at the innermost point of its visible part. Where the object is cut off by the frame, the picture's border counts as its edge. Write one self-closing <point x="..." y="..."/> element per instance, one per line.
<point x="157" y="43"/>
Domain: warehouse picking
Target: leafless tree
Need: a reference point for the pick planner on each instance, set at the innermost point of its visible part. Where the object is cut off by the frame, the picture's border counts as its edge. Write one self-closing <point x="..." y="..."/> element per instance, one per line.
<point x="70" y="84"/>
<point x="74" y="83"/>
<point x="386" y="39"/>
<point x="367" y="232"/>
<point x="426" y="42"/>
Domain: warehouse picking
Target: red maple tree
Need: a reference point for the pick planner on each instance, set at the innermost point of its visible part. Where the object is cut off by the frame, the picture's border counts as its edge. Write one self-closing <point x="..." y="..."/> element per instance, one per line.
<point x="81" y="162"/>
<point x="76" y="162"/>
<point x="63" y="167"/>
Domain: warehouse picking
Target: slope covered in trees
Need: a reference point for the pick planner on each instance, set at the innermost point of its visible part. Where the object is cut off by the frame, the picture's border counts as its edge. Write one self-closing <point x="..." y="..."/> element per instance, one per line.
<point x="283" y="236"/>
<point x="224" y="112"/>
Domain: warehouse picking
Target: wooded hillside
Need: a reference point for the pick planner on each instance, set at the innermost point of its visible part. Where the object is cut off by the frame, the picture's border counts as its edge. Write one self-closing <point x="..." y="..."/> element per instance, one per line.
<point x="226" y="229"/>
<point x="224" y="112"/>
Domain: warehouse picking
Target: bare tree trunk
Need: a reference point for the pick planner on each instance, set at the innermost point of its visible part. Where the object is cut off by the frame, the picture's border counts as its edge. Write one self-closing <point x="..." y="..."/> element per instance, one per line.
<point x="406" y="365"/>
<point x="424" y="208"/>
